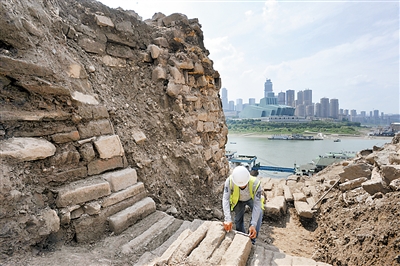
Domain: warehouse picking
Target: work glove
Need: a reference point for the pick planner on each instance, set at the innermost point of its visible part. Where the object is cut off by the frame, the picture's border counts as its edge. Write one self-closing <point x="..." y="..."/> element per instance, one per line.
<point x="252" y="232"/>
<point x="228" y="226"/>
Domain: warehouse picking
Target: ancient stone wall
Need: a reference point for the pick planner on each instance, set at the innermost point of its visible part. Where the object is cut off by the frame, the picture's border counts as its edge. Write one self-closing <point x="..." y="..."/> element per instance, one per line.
<point x="86" y="90"/>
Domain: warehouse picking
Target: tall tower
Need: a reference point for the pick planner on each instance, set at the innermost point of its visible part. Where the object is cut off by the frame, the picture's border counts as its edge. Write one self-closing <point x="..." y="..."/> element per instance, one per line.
<point x="324" y="107"/>
<point x="281" y="98"/>
<point x="239" y="105"/>
<point x="224" y="99"/>
<point x="307" y="97"/>
<point x="267" y="87"/>
<point x="290" y="98"/>
<point x="300" y="98"/>
<point x="334" y="108"/>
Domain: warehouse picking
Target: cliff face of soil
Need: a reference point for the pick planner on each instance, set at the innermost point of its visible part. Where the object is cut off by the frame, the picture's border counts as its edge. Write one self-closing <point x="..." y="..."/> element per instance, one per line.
<point x="85" y="89"/>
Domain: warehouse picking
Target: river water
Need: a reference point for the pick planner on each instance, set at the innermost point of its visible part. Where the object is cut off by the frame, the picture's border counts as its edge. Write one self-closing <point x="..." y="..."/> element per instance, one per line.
<point x="286" y="153"/>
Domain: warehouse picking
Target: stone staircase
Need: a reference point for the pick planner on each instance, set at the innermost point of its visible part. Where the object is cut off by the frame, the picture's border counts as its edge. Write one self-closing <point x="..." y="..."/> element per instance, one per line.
<point x="115" y="204"/>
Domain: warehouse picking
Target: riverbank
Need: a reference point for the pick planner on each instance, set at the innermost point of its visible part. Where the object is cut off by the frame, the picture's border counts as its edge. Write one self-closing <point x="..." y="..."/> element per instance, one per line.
<point x="325" y="136"/>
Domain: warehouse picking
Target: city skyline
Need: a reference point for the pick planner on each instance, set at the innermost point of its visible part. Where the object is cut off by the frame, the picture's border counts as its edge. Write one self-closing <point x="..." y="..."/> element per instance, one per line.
<point x="268" y="86"/>
<point x="339" y="49"/>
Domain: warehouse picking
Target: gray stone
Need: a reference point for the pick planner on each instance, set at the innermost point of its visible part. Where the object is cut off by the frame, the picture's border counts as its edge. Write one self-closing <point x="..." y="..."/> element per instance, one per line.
<point x="354" y="171"/>
<point x="373" y="186"/>
<point x="99" y="166"/>
<point x="80" y="192"/>
<point x="303" y="209"/>
<point x="135" y="190"/>
<point x="275" y="207"/>
<point x="26" y="149"/>
<point x="390" y="173"/>
<point x="109" y="146"/>
<point x="95" y="128"/>
<point x="125" y="218"/>
<point x="84" y="98"/>
<point x="121" y="179"/>
<point x="66" y="137"/>
<point x="352" y="184"/>
<point x="104" y="21"/>
<point x="238" y="252"/>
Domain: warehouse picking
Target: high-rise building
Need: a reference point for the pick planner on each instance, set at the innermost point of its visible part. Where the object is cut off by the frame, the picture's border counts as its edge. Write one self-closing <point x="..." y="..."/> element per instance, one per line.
<point x="324" y="107"/>
<point x="231" y="105"/>
<point x="309" y="110"/>
<point x="334" y="108"/>
<point x="224" y="99"/>
<point x="290" y="98"/>
<point x="239" y="105"/>
<point x="281" y="98"/>
<point x="307" y="97"/>
<point x="267" y="87"/>
<point x="317" y="111"/>
<point x="300" y="98"/>
<point x="252" y="101"/>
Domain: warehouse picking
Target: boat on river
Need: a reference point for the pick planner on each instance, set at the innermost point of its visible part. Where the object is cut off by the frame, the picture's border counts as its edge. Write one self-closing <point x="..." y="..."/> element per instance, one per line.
<point x="296" y="137"/>
<point x="323" y="161"/>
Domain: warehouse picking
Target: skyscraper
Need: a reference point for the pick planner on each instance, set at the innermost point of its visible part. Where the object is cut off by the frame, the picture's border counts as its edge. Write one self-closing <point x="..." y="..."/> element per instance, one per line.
<point x="324" y="107"/>
<point x="281" y="98"/>
<point x="224" y="99"/>
<point x="267" y="87"/>
<point x="290" y="98"/>
<point x="307" y="97"/>
<point x="239" y="105"/>
<point x="334" y="108"/>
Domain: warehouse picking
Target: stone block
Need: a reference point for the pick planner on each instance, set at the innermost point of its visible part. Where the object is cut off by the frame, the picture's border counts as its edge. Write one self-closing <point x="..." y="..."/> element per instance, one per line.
<point x="209" y="127"/>
<point x="104" y="21"/>
<point x="89" y="228"/>
<point x="220" y="251"/>
<point x="135" y="190"/>
<point x="303" y="209"/>
<point x="66" y="137"/>
<point x="275" y="207"/>
<point x="87" y="152"/>
<point x="92" y="46"/>
<point x="238" y="252"/>
<point x="349" y="185"/>
<point x="33" y="116"/>
<point x="159" y="73"/>
<point x="189" y="244"/>
<point x="177" y="76"/>
<point x="287" y="194"/>
<point x="153" y="232"/>
<point x="154" y="51"/>
<point x="125" y="218"/>
<point x="354" y="171"/>
<point x="121" y="179"/>
<point x="173" y="89"/>
<point x="139" y="136"/>
<point x="26" y="149"/>
<point x="213" y="238"/>
<point x="299" y="196"/>
<point x="92" y="208"/>
<point x="81" y="192"/>
<point x="83" y="98"/>
<point x="99" y="166"/>
<point x="95" y="128"/>
<point x="163" y="260"/>
<point x="390" y="173"/>
<point x="109" y="146"/>
<point x="373" y="186"/>
<point x="69" y="175"/>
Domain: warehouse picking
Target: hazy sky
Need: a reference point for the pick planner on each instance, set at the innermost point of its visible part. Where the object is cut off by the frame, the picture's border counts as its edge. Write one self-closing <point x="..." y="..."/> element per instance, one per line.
<point x="348" y="50"/>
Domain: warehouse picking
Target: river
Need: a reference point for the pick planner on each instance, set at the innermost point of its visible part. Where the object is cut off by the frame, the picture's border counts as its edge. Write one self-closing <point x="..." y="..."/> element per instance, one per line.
<point x="286" y="153"/>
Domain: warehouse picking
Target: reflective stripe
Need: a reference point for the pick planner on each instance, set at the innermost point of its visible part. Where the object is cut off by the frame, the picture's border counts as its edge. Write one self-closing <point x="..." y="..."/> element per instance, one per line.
<point x="235" y="193"/>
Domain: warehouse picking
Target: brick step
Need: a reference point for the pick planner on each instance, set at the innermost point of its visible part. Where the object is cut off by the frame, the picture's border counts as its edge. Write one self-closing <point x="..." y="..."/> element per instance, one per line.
<point x="153" y="237"/>
<point x="271" y="256"/>
<point x="150" y="257"/>
<point x="205" y="244"/>
<point x="127" y="217"/>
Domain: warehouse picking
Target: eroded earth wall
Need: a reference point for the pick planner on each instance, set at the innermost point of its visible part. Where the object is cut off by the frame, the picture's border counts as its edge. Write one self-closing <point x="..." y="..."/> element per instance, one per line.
<point x="85" y="89"/>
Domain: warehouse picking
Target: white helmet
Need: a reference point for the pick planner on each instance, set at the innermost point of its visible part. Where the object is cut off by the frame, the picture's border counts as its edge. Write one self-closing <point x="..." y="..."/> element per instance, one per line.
<point x="240" y="176"/>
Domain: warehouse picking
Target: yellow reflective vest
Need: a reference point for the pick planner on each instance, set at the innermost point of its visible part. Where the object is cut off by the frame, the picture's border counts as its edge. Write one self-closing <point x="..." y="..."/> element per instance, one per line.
<point x="236" y="193"/>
